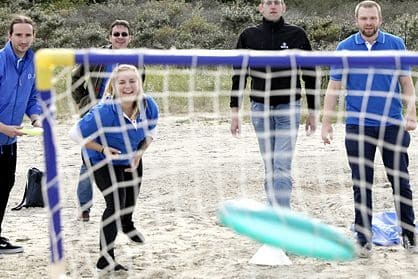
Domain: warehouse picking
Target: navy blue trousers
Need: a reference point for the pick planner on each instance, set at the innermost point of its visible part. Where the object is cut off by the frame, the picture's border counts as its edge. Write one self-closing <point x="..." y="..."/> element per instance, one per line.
<point x="393" y="141"/>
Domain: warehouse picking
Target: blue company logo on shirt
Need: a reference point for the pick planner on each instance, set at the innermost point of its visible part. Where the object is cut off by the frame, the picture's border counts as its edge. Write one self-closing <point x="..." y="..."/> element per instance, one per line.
<point x="31" y="76"/>
<point x="284" y="45"/>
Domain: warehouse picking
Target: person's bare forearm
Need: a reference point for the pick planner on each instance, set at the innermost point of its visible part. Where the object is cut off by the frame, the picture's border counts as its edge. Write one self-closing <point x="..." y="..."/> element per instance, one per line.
<point x="408" y="95"/>
<point x="330" y="101"/>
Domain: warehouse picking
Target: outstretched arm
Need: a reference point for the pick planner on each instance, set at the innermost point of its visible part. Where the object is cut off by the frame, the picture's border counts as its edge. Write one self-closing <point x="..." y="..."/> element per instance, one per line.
<point x="330" y="103"/>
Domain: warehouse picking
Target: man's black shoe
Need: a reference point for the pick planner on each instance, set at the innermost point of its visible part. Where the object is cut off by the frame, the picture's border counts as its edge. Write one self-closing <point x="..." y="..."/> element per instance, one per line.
<point x="364" y="249"/>
<point x="135" y="236"/>
<point x="109" y="268"/>
<point x="85" y="216"/>
<point x="7" y="248"/>
<point x="409" y="242"/>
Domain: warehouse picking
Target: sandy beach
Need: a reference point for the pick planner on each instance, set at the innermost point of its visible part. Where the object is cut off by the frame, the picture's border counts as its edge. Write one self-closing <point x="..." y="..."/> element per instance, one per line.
<point x="192" y="167"/>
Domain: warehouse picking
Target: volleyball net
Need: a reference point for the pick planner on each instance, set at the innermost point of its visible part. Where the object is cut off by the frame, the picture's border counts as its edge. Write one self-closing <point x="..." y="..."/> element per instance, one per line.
<point x="196" y="85"/>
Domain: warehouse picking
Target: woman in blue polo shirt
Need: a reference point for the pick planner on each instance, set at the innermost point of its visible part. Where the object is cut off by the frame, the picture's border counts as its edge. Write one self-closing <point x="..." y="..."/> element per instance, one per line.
<point x="116" y="134"/>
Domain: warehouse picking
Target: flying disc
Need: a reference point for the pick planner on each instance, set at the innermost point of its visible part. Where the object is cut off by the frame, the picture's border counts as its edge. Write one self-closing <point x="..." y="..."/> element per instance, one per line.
<point x="35" y="131"/>
<point x="286" y="229"/>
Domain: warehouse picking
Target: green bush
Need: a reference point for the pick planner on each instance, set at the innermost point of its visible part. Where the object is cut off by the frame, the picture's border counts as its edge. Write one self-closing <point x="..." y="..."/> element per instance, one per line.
<point x="406" y="27"/>
<point x="195" y="24"/>
<point x="79" y="38"/>
<point x="239" y="16"/>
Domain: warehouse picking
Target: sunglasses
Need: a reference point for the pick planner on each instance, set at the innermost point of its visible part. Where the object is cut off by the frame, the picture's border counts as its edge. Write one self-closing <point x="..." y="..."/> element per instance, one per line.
<point x="118" y="34"/>
<point x="276" y="2"/>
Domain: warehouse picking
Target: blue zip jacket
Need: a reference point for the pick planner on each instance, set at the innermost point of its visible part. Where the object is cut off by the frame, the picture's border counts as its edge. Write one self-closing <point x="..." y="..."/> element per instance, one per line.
<point x="107" y="125"/>
<point x="18" y="94"/>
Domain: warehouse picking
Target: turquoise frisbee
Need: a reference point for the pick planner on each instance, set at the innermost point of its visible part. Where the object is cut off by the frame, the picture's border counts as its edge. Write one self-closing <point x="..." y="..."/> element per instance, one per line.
<point x="287" y="230"/>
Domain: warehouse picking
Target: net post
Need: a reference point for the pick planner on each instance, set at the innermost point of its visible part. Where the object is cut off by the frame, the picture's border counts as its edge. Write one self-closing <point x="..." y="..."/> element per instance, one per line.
<point x="45" y="62"/>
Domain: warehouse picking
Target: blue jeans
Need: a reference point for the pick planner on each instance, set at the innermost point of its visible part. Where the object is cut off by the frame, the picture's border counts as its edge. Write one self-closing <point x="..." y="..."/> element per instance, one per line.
<point x="276" y="128"/>
<point x="361" y="143"/>
<point x="84" y="190"/>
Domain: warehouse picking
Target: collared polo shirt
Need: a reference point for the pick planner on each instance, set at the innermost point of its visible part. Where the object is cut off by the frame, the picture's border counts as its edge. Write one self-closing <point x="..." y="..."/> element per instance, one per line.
<point x="372" y="97"/>
<point x="107" y="125"/>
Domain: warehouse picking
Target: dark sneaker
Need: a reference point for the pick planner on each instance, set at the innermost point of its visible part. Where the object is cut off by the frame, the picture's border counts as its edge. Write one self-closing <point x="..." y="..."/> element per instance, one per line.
<point x="85" y="216"/>
<point x="135" y="236"/>
<point x="7" y="248"/>
<point x="109" y="268"/>
<point x="409" y="242"/>
<point x="364" y="249"/>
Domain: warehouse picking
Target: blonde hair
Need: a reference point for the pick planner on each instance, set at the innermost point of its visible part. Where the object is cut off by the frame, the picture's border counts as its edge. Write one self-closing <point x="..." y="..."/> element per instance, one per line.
<point x="110" y="91"/>
<point x="368" y="4"/>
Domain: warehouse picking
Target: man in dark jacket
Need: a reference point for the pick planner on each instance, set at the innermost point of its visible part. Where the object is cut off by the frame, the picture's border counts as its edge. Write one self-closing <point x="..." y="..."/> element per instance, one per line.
<point x="275" y="98"/>
<point x="90" y="82"/>
<point x="18" y="97"/>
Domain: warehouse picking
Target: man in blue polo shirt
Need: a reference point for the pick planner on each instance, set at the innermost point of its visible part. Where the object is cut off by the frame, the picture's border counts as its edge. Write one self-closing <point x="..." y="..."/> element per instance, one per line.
<point x="374" y="119"/>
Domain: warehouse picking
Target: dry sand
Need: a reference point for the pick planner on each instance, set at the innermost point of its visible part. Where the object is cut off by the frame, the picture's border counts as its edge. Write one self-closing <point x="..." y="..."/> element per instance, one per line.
<point x="192" y="167"/>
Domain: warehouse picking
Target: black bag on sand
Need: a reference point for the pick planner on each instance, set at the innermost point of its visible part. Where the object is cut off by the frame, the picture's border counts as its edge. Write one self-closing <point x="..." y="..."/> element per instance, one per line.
<point x="33" y="190"/>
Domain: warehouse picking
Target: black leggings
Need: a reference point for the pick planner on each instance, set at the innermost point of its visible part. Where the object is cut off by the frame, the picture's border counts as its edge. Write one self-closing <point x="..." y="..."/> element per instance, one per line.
<point x="120" y="198"/>
<point x="7" y="175"/>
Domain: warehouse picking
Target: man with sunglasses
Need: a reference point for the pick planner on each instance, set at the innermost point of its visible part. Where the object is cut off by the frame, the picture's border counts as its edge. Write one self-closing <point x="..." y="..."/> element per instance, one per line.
<point x="119" y="37"/>
<point x="275" y="98"/>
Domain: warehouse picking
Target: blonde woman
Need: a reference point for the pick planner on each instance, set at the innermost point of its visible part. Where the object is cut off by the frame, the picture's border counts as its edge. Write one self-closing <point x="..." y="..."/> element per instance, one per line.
<point x="116" y="134"/>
